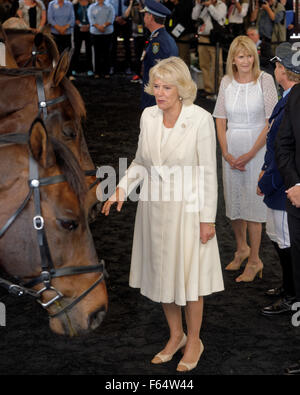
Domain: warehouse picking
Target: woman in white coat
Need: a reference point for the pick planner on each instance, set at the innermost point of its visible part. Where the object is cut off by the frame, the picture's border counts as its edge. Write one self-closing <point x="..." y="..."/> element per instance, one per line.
<point x="175" y="257"/>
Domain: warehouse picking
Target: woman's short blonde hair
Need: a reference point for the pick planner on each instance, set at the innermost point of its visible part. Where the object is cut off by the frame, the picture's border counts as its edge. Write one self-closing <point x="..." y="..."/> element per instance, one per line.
<point x="245" y="45"/>
<point x="174" y="71"/>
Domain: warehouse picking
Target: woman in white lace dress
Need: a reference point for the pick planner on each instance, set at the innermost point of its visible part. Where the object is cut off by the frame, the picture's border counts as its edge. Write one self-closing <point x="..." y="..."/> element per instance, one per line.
<point x="246" y="99"/>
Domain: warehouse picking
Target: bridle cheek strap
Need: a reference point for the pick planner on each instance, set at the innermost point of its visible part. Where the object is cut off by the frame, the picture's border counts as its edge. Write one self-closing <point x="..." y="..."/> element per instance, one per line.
<point x="48" y="270"/>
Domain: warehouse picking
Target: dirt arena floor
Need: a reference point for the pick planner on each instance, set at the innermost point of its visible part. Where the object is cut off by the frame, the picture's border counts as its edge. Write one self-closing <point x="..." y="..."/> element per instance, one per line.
<point x="237" y="339"/>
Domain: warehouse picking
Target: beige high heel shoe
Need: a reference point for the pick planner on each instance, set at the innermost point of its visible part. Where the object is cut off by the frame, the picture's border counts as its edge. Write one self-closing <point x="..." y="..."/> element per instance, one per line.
<point x="238" y="260"/>
<point x="250" y="272"/>
<point x="162" y="358"/>
<point x="186" y="367"/>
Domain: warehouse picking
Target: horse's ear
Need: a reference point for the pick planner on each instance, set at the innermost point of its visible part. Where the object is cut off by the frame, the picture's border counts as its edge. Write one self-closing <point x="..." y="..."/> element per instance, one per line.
<point x="40" y="146"/>
<point x="62" y="67"/>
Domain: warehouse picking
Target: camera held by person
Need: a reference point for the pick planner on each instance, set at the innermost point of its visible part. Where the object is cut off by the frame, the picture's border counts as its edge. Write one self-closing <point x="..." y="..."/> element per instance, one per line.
<point x="262" y="2"/>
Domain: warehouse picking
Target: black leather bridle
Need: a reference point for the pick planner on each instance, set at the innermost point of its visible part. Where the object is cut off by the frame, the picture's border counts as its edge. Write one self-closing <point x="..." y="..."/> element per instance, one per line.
<point x="34" y="55"/>
<point x="43" y="105"/>
<point x="48" y="271"/>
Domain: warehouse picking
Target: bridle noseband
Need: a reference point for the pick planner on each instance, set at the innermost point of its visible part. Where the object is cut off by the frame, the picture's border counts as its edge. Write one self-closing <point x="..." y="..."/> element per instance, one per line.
<point x="48" y="271"/>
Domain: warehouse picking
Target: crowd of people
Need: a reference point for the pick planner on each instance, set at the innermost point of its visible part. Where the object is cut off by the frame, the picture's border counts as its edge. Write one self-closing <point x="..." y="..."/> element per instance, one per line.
<point x="99" y="23"/>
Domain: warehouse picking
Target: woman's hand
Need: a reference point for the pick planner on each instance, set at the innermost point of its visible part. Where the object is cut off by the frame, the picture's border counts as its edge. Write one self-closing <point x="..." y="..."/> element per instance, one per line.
<point x="207" y="231"/>
<point x="230" y="159"/>
<point x="118" y="197"/>
<point x="242" y="160"/>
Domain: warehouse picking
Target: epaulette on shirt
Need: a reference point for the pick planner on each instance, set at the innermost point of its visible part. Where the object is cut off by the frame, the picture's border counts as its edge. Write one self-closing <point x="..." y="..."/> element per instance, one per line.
<point x="155" y="35"/>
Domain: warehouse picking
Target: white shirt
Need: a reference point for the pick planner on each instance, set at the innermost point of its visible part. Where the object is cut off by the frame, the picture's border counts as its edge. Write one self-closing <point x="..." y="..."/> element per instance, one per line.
<point x="165" y="135"/>
<point x="218" y="12"/>
<point x="238" y="17"/>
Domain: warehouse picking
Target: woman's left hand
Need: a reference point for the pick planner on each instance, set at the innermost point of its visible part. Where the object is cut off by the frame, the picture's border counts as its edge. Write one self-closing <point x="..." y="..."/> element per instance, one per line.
<point x="207" y="231"/>
<point x="242" y="160"/>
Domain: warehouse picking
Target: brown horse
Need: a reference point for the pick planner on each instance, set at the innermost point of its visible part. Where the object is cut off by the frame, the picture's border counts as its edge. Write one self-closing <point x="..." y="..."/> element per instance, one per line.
<point x="59" y="244"/>
<point x="30" y="49"/>
<point x="25" y="48"/>
<point x="28" y="89"/>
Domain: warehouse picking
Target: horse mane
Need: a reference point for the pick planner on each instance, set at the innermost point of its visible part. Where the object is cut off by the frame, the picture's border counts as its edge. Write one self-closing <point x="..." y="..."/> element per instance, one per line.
<point x="51" y="46"/>
<point x="74" y="97"/>
<point x="19" y="72"/>
<point x="12" y="30"/>
<point x="70" y="167"/>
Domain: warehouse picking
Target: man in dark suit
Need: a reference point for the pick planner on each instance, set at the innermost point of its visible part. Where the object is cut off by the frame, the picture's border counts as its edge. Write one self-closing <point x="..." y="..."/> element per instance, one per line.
<point x="272" y="187"/>
<point x="287" y="152"/>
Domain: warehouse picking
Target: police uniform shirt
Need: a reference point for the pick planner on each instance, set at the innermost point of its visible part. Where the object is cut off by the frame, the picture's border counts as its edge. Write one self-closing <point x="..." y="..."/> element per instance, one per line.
<point x="161" y="46"/>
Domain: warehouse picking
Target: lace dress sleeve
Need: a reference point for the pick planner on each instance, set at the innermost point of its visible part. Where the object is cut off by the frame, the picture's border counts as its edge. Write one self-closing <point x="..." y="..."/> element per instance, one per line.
<point x="220" y="110"/>
<point x="269" y="92"/>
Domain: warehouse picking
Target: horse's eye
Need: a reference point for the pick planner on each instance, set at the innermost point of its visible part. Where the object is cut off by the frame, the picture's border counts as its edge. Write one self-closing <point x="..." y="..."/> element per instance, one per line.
<point x="68" y="224"/>
<point x="69" y="132"/>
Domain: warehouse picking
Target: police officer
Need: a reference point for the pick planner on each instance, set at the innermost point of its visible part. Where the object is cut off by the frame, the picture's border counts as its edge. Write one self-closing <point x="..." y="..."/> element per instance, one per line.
<point x="161" y="45"/>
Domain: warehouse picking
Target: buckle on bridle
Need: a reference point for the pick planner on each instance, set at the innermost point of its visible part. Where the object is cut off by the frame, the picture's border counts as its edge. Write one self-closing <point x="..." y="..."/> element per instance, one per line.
<point x="38" y="222"/>
<point x="58" y="296"/>
<point x="16" y="290"/>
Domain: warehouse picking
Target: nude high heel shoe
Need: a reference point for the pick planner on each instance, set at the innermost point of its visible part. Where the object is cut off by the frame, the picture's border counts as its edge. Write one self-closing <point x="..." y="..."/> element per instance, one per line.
<point x="238" y="260"/>
<point x="186" y="367"/>
<point x="162" y="358"/>
<point x="250" y="272"/>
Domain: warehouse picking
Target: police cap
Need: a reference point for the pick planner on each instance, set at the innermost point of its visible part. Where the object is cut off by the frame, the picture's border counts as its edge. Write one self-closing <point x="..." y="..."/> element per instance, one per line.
<point x="156" y="8"/>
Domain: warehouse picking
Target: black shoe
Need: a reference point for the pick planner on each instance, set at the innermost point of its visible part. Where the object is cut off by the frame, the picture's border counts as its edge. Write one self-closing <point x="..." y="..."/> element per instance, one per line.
<point x="293" y="369"/>
<point x="282" y="306"/>
<point x="278" y="292"/>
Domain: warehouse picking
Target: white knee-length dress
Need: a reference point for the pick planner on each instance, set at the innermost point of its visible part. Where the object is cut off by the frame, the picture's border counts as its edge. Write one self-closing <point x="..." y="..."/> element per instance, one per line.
<point x="246" y="108"/>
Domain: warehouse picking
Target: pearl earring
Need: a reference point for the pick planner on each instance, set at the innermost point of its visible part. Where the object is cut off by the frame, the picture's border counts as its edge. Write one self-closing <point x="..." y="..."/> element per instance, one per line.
<point x="180" y="98"/>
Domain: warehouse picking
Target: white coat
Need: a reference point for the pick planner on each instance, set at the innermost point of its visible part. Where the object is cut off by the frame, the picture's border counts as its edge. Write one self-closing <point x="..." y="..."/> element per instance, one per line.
<point x="169" y="263"/>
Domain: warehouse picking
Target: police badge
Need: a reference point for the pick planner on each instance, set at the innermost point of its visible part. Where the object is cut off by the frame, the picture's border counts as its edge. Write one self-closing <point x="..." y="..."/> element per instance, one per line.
<point x="155" y="48"/>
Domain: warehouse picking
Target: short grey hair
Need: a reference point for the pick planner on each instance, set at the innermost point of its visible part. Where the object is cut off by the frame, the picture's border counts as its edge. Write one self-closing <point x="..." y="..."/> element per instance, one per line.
<point x="174" y="71"/>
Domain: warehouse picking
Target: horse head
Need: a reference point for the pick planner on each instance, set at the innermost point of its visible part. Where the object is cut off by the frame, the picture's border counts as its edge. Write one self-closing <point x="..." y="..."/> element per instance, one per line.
<point x="31" y="49"/>
<point x="58" y="101"/>
<point x="48" y="245"/>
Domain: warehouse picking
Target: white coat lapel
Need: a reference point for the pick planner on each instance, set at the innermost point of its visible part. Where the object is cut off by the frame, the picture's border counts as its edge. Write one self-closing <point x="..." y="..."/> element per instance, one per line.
<point x="178" y="133"/>
<point x="154" y="131"/>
